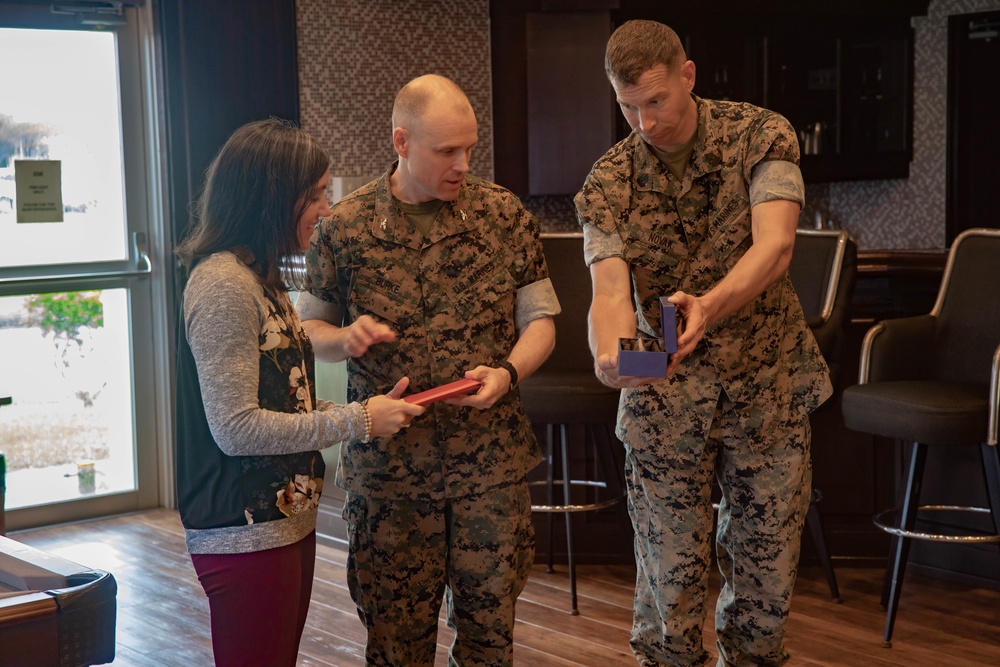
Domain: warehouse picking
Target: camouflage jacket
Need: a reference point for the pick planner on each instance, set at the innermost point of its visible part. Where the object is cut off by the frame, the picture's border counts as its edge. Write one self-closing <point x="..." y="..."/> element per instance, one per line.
<point x="687" y="235"/>
<point x="450" y="296"/>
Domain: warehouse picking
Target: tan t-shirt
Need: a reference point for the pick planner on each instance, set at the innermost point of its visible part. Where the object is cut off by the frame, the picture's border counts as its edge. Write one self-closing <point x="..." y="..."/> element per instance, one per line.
<point x="676" y="161"/>
<point x="423" y="214"/>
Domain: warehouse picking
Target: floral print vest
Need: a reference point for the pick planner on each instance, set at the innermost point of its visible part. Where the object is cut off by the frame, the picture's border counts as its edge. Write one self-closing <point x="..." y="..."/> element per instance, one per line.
<point x="279" y="486"/>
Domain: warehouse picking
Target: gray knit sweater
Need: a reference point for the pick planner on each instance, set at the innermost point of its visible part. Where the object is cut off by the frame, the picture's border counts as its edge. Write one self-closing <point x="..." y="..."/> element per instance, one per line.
<point x="255" y="374"/>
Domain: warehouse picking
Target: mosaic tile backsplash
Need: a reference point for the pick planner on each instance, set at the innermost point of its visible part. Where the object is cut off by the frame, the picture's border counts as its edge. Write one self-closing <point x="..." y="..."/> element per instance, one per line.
<point x="910" y="214"/>
<point x="354" y="56"/>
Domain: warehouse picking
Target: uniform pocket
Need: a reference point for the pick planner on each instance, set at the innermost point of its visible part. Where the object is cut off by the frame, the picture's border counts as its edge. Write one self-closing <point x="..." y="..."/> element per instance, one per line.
<point x="361" y="576"/>
<point x="525" y="552"/>
<point x="656" y="271"/>
<point x="654" y="255"/>
<point x="382" y="298"/>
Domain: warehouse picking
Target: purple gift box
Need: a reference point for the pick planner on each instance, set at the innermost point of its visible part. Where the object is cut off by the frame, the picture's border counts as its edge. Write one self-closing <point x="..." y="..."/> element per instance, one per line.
<point x="647" y="357"/>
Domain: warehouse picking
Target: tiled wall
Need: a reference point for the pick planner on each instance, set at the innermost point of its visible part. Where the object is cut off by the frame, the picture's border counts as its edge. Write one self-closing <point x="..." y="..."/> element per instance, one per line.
<point x="354" y="56"/>
<point x="908" y="214"/>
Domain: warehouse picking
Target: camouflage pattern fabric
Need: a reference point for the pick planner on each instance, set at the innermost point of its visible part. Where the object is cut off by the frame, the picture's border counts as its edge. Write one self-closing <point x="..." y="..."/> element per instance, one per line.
<point x="760" y="521"/>
<point x="441" y="507"/>
<point x="687" y="235"/>
<point x="450" y="298"/>
<point x="481" y="545"/>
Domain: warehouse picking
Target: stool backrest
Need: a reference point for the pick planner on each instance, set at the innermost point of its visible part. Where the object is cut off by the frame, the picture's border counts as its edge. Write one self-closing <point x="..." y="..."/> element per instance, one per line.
<point x="823" y="272"/>
<point x="571" y="280"/>
<point x="967" y="330"/>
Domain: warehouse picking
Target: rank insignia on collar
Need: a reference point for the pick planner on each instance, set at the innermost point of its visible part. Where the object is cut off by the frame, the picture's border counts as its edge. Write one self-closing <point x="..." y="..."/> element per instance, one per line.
<point x="383" y="224"/>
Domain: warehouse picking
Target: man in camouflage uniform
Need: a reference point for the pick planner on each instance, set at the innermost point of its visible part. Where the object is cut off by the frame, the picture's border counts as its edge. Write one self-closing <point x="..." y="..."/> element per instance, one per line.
<point x="700" y="203"/>
<point x="435" y="274"/>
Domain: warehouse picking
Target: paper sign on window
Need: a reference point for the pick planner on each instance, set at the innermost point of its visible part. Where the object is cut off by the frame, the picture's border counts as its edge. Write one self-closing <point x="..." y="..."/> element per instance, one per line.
<point x="39" y="190"/>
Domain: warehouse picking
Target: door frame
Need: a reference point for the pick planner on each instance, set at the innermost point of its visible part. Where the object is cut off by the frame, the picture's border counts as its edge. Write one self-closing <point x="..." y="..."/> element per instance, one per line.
<point x="150" y="292"/>
<point x="961" y="169"/>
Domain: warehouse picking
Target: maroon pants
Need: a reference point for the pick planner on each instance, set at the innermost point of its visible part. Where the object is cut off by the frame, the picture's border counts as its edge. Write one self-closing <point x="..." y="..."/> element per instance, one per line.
<point x="258" y="602"/>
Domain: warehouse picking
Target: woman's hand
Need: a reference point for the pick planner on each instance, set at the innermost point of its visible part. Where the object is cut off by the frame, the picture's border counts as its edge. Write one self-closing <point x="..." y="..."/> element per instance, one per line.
<point x="389" y="413"/>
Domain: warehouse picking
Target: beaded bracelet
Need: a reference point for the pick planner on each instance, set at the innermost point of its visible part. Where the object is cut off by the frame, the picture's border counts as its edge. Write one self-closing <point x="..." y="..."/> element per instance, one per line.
<point x="368" y="421"/>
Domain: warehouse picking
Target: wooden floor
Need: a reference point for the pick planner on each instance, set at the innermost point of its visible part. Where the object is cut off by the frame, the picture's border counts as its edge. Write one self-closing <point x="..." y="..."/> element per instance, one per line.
<point x="163" y="614"/>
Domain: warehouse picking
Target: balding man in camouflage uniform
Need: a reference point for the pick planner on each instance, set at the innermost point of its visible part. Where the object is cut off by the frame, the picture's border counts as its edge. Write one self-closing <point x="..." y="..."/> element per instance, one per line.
<point x="700" y="203"/>
<point x="433" y="273"/>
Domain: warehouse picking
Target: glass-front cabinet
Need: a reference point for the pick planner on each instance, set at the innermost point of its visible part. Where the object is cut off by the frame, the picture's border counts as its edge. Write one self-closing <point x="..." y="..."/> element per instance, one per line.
<point x="845" y="82"/>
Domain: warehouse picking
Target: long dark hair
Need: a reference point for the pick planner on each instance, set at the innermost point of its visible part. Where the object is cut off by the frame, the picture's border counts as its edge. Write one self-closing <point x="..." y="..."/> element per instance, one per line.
<point x="255" y="191"/>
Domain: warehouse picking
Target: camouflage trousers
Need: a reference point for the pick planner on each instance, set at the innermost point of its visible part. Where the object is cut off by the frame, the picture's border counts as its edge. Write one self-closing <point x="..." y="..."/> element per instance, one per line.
<point x="405" y="555"/>
<point x="765" y="495"/>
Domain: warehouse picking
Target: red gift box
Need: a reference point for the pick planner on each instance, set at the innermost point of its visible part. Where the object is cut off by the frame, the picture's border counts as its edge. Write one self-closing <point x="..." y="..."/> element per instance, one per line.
<point x="456" y="388"/>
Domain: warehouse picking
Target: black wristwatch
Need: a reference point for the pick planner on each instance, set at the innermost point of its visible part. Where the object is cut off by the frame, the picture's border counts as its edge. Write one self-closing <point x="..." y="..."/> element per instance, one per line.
<point x="513" y="373"/>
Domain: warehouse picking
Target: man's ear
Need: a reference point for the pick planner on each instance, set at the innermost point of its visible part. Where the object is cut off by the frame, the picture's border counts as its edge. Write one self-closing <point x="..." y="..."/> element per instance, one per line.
<point x="401" y="141"/>
<point x="688" y="74"/>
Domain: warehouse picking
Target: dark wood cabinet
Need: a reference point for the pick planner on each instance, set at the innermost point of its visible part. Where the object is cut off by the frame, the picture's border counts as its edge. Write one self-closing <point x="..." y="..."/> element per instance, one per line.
<point x="729" y="65"/>
<point x="567" y="91"/>
<point x="841" y="73"/>
<point x="855" y="110"/>
<point x="553" y="108"/>
<point x="877" y="94"/>
<point x="803" y="84"/>
<point x="849" y="94"/>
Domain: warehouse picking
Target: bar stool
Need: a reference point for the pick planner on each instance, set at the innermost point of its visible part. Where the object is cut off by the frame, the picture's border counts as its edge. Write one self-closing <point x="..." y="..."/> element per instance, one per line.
<point x="934" y="381"/>
<point x="564" y="394"/>
<point x="561" y="401"/>
<point x="823" y="272"/>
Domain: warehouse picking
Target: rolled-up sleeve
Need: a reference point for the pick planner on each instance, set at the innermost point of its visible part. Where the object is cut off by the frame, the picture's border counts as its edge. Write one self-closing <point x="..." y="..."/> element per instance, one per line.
<point x="534" y="301"/>
<point x="598" y="244"/>
<point x="777" y="179"/>
<point x="311" y="307"/>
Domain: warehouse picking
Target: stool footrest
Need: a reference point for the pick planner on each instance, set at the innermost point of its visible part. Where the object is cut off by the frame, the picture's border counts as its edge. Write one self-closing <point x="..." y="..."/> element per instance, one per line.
<point x="881" y="521"/>
<point x="589" y="507"/>
<point x="586" y="507"/>
<point x="596" y="483"/>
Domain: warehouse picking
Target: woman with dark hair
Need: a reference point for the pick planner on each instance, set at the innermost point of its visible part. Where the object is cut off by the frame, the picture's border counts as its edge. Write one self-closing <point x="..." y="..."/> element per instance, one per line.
<point x="249" y="426"/>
